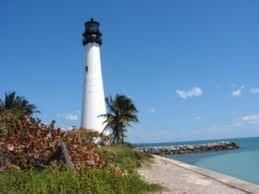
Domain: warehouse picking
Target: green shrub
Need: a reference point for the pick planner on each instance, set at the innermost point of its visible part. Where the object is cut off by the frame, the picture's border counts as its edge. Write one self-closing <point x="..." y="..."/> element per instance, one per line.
<point x="124" y="156"/>
<point x="68" y="181"/>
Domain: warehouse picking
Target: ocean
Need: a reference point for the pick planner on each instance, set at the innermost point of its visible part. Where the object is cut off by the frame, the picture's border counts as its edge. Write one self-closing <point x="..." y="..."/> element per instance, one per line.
<point x="242" y="163"/>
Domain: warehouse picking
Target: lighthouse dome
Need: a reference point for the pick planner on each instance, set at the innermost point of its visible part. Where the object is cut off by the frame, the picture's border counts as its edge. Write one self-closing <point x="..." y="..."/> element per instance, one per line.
<point x="92" y="33"/>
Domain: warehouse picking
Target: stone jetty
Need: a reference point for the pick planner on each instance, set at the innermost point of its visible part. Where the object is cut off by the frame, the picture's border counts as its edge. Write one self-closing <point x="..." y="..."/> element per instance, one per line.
<point x="188" y="149"/>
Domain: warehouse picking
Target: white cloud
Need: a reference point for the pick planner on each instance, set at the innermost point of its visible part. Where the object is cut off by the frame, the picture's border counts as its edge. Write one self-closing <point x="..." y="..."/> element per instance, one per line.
<point x="71" y="127"/>
<point x="250" y="118"/>
<point x="184" y="94"/>
<point x="245" y="120"/>
<point x="71" y="117"/>
<point x="238" y="92"/>
<point x="254" y="90"/>
<point x="197" y="118"/>
<point x="153" y="110"/>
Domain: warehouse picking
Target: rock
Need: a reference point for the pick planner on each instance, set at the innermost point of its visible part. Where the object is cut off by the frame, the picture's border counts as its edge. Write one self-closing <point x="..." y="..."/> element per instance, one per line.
<point x="90" y="163"/>
<point x="117" y="171"/>
<point x="13" y="167"/>
<point x="187" y="149"/>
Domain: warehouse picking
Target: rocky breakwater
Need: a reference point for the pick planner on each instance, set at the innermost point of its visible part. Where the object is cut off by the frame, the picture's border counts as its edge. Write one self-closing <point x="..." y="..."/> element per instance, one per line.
<point x="188" y="149"/>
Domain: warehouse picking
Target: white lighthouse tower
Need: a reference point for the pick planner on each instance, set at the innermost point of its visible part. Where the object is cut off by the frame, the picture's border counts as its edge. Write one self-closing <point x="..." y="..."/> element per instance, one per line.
<point x="93" y="92"/>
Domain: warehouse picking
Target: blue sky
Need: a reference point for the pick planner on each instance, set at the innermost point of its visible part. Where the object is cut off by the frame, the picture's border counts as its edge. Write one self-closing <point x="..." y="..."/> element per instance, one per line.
<point x="191" y="67"/>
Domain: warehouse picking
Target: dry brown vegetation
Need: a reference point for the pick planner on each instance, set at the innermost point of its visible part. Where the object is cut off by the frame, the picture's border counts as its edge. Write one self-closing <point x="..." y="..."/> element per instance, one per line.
<point x="25" y="142"/>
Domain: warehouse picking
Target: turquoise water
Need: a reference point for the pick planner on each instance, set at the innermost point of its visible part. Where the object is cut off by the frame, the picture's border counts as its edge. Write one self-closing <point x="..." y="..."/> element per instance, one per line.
<point x="242" y="163"/>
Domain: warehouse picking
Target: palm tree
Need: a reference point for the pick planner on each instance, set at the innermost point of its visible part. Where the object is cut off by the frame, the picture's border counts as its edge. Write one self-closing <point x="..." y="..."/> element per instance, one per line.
<point x="17" y="105"/>
<point x="121" y="112"/>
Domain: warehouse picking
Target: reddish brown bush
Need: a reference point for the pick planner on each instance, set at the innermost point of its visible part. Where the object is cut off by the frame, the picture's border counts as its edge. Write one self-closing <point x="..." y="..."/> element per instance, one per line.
<point x="26" y="142"/>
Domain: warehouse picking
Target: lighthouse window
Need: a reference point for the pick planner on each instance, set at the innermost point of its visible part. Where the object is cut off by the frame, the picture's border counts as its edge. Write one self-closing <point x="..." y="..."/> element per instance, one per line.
<point x="86" y="68"/>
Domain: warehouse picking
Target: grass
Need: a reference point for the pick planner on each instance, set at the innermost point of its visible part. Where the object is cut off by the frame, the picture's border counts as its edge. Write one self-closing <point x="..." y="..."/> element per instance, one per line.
<point x="124" y="156"/>
<point x="102" y="181"/>
<point x="67" y="181"/>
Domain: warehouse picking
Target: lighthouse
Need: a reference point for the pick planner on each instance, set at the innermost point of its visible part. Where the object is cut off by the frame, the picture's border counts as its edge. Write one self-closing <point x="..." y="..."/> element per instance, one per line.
<point x="93" y="91"/>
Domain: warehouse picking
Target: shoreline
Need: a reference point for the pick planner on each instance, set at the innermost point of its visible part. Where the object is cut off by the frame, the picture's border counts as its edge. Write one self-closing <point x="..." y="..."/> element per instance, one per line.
<point x="180" y="177"/>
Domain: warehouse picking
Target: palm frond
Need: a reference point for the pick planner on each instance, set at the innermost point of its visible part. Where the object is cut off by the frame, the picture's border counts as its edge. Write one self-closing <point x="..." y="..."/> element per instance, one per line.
<point x="17" y="104"/>
<point x="121" y="113"/>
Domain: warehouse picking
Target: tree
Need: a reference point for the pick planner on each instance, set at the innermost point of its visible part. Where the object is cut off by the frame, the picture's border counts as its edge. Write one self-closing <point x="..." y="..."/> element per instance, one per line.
<point x="121" y="112"/>
<point x="17" y="105"/>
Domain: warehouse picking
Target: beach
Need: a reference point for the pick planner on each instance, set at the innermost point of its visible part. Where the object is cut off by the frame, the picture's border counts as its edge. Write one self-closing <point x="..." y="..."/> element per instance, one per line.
<point x="179" y="177"/>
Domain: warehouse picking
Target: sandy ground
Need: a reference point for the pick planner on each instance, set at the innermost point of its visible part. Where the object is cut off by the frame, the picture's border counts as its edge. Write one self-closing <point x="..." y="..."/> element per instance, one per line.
<point x="178" y="179"/>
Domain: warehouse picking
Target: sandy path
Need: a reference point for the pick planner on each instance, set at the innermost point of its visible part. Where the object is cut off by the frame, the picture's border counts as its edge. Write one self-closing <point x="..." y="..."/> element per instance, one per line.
<point x="178" y="179"/>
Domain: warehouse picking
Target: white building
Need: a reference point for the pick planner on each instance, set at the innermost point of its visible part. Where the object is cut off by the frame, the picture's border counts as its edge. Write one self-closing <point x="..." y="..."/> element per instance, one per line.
<point x="93" y="91"/>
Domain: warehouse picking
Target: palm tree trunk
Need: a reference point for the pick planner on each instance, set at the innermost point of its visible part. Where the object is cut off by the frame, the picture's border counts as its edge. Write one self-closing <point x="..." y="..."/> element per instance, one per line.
<point x="122" y="137"/>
